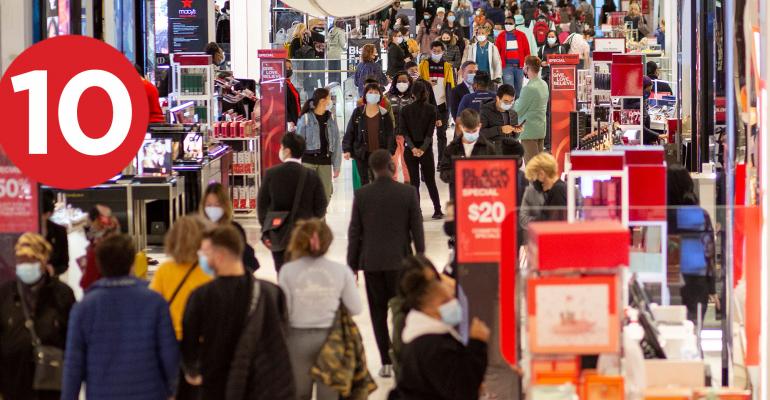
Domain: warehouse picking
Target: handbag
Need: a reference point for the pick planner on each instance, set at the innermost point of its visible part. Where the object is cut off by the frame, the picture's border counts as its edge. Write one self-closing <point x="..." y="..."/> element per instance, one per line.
<point x="278" y="224"/>
<point x="49" y="360"/>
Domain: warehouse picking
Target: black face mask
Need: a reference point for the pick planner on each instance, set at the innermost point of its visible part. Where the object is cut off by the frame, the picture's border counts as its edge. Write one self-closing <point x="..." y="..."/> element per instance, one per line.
<point x="289" y="73"/>
<point x="538" y="186"/>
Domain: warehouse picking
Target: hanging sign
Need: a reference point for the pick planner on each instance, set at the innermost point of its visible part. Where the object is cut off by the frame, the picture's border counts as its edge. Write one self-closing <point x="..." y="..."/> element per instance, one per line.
<point x="273" y="103"/>
<point x="188" y="25"/>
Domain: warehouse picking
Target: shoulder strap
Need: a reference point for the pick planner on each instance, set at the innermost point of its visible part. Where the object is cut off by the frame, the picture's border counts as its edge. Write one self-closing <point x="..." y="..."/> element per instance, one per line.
<point x="28" y="323"/>
<point x="181" y="283"/>
<point x="298" y="193"/>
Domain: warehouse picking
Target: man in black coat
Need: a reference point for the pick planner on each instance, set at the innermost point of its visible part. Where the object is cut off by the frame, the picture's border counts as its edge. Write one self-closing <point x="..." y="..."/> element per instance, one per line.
<point x="467" y="73"/>
<point x="498" y="120"/>
<point x="467" y="143"/>
<point x="280" y="187"/>
<point x="55" y="234"/>
<point x="386" y="221"/>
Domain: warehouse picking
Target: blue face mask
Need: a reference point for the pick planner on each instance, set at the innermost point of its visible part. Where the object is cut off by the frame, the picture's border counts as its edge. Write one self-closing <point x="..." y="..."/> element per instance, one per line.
<point x="372" y="98"/>
<point x="471" y="137"/>
<point x="451" y="312"/>
<point x="495" y="32"/>
<point x="469" y="78"/>
<point x="29" y="273"/>
<point x="203" y="262"/>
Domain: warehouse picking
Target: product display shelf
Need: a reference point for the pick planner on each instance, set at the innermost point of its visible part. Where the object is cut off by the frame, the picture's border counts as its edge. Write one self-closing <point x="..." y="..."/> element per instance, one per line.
<point x="626" y="92"/>
<point x="600" y="105"/>
<point x="245" y="174"/>
<point x="193" y="81"/>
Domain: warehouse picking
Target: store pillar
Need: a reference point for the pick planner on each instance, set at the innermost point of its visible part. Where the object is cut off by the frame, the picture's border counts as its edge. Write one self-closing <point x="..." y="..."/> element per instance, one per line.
<point x="563" y="100"/>
<point x="272" y="79"/>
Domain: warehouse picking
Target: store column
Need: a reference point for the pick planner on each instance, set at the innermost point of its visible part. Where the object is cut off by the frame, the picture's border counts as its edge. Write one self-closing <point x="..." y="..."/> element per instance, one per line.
<point x="563" y="100"/>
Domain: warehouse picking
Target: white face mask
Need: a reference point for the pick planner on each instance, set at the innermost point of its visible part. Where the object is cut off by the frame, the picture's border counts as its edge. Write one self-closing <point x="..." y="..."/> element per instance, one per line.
<point x="509" y="27"/>
<point x="551" y="41"/>
<point x="402" y="86"/>
<point x="399" y="40"/>
<point x="481" y="38"/>
<point x="505" y="106"/>
<point x="215" y="213"/>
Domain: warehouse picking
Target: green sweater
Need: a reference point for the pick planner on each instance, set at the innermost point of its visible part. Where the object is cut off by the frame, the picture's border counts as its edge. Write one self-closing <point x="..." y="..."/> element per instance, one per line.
<point x="531" y="107"/>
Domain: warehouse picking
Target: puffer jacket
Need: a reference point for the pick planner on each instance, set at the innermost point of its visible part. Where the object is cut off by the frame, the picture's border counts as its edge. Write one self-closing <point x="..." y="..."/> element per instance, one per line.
<point x="310" y="130"/>
<point x="355" y="141"/>
<point x="341" y="363"/>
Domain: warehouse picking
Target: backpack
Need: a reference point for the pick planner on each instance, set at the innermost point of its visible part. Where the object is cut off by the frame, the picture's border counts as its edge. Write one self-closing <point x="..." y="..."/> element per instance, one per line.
<point x="540" y="30"/>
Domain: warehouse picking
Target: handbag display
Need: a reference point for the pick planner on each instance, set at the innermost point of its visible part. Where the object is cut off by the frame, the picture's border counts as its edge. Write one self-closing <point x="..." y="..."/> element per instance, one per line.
<point x="49" y="360"/>
<point x="277" y="225"/>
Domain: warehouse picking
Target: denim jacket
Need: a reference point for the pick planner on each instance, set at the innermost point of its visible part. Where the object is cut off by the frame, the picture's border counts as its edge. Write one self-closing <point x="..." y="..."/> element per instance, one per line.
<point x="310" y="130"/>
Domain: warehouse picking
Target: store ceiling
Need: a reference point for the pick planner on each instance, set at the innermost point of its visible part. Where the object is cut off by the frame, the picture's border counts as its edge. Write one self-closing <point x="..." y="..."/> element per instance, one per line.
<point x="338" y="8"/>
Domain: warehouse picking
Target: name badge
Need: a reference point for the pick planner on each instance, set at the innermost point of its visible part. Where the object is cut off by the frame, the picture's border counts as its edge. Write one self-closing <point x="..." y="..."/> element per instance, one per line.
<point x="512" y="45"/>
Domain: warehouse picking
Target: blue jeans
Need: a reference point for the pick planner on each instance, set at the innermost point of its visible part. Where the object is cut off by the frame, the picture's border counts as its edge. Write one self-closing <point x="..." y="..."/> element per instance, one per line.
<point x="514" y="76"/>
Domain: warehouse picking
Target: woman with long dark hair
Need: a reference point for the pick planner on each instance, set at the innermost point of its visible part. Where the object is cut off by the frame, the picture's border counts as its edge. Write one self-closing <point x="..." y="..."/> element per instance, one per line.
<point x="217" y="207"/>
<point x="417" y="122"/>
<point x="370" y="128"/>
<point x="396" y="55"/>
<point x="323" y="148"/>
<point x="400" y="96"/>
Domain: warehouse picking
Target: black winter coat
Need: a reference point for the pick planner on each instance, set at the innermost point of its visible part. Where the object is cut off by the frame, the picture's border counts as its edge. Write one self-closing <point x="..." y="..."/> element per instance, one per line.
<point x="51" y="314"/>
<point x="492" y="121"/>
<point x="56" y="235"/>
<point x="396" y="56"/>
<point x="454" y="150"/>
<point x="261" y="369"/>
<point x="438" y="367"/>
<point x="355" y="140"/>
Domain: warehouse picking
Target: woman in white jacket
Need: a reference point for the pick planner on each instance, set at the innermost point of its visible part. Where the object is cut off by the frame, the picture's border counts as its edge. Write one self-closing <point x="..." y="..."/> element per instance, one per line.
<point x="482" y="46"/>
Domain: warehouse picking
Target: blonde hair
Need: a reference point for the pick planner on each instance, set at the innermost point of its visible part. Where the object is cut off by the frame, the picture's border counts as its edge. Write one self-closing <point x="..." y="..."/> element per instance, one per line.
<point x="368" y="52"/>
<point x="636" y="7"/>
<point x="35" y="246"/>
<point x="541" y="162"/>
<point x="299" y="30"/>
<point x="311" y="237"/>
<point x="184" y="239"/>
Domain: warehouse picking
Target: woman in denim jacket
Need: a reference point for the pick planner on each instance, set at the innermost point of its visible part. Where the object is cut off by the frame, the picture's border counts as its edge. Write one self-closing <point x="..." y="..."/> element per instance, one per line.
<point x="318" y="126"/>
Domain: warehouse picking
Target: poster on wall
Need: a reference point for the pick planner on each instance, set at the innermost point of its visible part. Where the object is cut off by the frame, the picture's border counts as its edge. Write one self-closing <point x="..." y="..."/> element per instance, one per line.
<point x="188" y="25"/>
<point x="18" y="212"/>
<point x="354" y="50"/>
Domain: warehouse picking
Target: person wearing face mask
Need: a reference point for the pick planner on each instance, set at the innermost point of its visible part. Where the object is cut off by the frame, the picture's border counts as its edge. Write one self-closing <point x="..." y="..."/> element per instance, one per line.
<point x="370" y="128"/>
<point x="531" y="108"/>
<point x="226" y="347"/>
<point x="551" y="46"/>
<point x="467" y="143"/>
<point x="498" y="119"/>
<point x="47" y="301"/>
<point x="101" y="353"/>
<point x="410" y="46"/>
<point x="413" y="70"/>
<point x="102" y="224"/>
<point x="385" y="225"/>
<point x="429" y="28"/>
<point x="467" y="74"/>
<point x="417" y="122"/>
<point x="400" y="96"/>
<point x="218" y="208"/>
<point x="481" y="93"/>
<point x="485" y="55"/>
<point x="456" y="33"/>
<point x="479" y="18"/>
<point x="440" y="74"/>
<point x="435" y="363"/>
<point x="452" y="55"/>
<point x="463" y="11"/>
<point x="336" y="45"/>
<point x="323" y="147"/>
<point x="637" y="21"/>
<point x="368" y="68"/>
<point x="543" y="172"/>
<point x="396" y="55"/>
<point x="289" y="193"/>
<point x="514" y="48"/>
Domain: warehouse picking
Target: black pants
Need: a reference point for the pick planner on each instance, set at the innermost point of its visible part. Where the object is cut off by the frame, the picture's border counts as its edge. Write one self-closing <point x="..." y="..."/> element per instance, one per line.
<point x="363" y="170"/>
<point x="279" y="257"/>
<point x="443" y="115"/>
<point x="426" y="165"/>
<point x="380" y="288"/>
<point x="695" y="291"/>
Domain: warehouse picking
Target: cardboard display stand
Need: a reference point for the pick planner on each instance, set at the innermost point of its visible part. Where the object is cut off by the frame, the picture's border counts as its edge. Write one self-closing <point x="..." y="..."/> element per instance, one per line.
<point x="608" y="175"/>
<point x="272" y="84"/>
<point x="563" y="98"/>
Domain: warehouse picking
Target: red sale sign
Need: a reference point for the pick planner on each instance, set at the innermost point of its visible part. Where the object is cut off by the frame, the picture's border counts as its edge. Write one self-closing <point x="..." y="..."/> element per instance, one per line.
<point x="18" y="199"/>
<point x="273" y="104"/>
<point x="563" y="78"/>
<point x="485" y="194"/>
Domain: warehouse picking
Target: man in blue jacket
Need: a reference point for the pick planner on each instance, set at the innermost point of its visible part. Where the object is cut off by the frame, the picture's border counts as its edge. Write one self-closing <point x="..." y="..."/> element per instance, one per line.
<point x="120" y="340"/>
<point x="482" y="92"/>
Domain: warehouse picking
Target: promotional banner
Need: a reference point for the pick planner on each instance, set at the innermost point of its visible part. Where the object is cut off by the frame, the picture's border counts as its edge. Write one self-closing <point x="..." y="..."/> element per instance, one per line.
<point x="273" y="104"/>
<point x="485" y="212"/>
<point x="188" y="25"/>
<point x="563" y="100"/>
<point x="18" y="199"/>
<point x="354" y="50"/>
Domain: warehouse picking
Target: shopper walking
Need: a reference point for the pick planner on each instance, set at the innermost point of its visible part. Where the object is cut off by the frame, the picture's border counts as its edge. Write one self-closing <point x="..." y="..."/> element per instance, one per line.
<point x="218" y="208"/>
<point x="368" y="67"/>
<point x="452" y="55"/>
<point x="301" y="43"/>
<point x="113" y="364"/>
<point x="468" y="142"/>
<point x="637" y="21"/>
<point x="289" y="193"/>
<point x="336" y="46"/>
<point x="55" y="234"/>
<point x="400" y="96"/>
<point x="485" y="55"/>
<point x="440" y="74"/>
<point x="435" y="362"/>
<point x="428" y="30"/>
<point x="385" y="224"/>
<point x="498" y="120"/>
<point x="467" y="73"/>
<point x="292" y="98"/>
<point x="531" y="108"/>
<point x="323" y="144"/>
<point x="396" y="55"/>
<point x="102" y="224"/>
<point x="692" y="226"/>
<point x="514" y="48"/>
<point x="543" y="171"/>
<point x="551" y="46"/>
<point x="177" y="278"/>
<point x="457" y="32"/>
<point x="463" y="9"/>
<point x="588" y="12"/>
<point x="370" y="128"/>
<point x="217" y="317"/>
<point x="481" y="93"/>
<point x="33" y="295"/>
<point x="417" y="121"/>
<point x="312" y="311"/>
